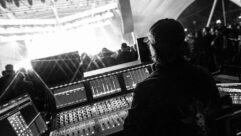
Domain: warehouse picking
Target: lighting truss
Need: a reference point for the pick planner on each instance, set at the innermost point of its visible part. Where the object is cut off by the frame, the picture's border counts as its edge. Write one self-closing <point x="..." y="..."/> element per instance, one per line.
<point x="19" y="27"/>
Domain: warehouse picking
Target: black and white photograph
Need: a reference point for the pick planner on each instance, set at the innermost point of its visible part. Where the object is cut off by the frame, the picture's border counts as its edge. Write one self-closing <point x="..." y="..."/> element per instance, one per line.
<point x="120" y="67"/>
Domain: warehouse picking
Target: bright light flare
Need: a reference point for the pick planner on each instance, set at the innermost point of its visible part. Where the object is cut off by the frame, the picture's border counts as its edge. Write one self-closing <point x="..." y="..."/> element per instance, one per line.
<point x="26" y="64"/>
<point x="89" y="39"/>
<point x="218" y="21"/>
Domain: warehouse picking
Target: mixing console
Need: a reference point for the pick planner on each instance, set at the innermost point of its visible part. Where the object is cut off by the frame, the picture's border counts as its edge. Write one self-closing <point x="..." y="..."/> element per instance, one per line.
<point x="111" y="123"/>
<point x="19" y="117"/>
<point x="97" y="127"/>
<point x="133" y="77"/>
<point x="81" y="129"/>
<point x="19" y="125"/>
<point x="69" y="95"/>
<point x="101" y="117"/>
<point x="105" y="86"/>
<point x="112" y="105"/>
<point x="73" y="116"/>
<point x="233" y="90"/>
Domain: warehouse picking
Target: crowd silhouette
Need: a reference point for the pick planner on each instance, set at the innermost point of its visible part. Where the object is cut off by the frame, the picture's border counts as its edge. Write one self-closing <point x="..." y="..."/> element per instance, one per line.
<point x="215" y="46"/>
<point x="106" y="57"/>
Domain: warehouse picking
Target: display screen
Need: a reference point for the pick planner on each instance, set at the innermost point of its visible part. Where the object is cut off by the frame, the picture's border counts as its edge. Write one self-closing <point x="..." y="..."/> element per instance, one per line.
<point x="105" y="86"/>
<point x="133" y="77"/>
<point x="59" y="69"/>
<point x="145" y="54"/>
<point x="17" y="117"/>
<point x="70" y="95"/>
<point x="231" y="89"/>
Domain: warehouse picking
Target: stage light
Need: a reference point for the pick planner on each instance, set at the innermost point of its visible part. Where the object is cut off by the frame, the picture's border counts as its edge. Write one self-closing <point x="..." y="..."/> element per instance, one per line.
<point x="185" y="29"/>
<point x="86" y="35"/>
<point x="26" y="64"/>
<point x="218" y="21"/>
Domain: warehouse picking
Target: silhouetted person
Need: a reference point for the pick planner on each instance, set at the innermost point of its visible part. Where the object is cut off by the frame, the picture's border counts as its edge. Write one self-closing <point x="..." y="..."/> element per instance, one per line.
<point x="14" y="84"/>
<point x="9" y="69"/>
<point x="7" y="76"/>
<point x="106" y="59"/>
<point x="177" y="99"/>
<point x="125" y="54"/>
<point x="4" y="73"/>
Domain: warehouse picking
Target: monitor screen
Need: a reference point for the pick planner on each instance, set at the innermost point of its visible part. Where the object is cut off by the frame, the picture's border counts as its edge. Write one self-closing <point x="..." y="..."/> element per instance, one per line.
<point x="70" y="95"/>
<point x="105" y="86"/>
<point x="133" y="77"/>
<point x="59" y="69"/>
<point x="145" y="54"/>
<point x="19" y="117"/>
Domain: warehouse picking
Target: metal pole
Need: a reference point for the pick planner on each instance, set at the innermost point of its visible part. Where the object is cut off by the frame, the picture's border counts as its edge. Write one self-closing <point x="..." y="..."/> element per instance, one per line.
<point x="224" y="13"/>
<point x="55" y="11"/>
<point x="211" y="13"/>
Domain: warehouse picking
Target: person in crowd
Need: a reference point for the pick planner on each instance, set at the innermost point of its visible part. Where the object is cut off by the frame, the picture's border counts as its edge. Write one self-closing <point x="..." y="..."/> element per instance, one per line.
<point x="133" y="50"/>
<point x="7" y="76"/>
<point x="208" y="50"/>
<point x="224" y="47"/>
<point x="177" y="98"/>
<point x="4" y="73"/>
<point x="9" y="69"/>
<point x="14" y="84"/>
<point x="106" y="58"/>
<point x="125" y="54"/>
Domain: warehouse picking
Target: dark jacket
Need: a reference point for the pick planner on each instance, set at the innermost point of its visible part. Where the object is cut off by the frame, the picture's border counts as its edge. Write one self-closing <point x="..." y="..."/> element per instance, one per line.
<point x="176" y="100"/>
<point x="125" y="56"/>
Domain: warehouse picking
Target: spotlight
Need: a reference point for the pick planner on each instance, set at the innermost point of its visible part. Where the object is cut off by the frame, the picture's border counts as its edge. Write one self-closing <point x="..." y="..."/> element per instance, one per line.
<point x="185" y="29"/>
<point x="26" y="64"/>
<point x="218" y="21"/>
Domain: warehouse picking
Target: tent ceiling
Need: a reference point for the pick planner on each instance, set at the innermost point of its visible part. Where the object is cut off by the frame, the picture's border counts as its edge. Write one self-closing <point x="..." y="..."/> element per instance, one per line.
<point x="45" y="10"/>
<point x="145" y="12"/>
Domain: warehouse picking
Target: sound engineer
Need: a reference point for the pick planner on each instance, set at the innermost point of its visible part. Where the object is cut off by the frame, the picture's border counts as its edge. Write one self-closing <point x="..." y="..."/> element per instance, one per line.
<point x="177" y="98"/>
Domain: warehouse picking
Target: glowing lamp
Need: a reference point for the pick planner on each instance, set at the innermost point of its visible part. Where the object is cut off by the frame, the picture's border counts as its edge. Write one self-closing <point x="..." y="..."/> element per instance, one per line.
<point x="218" y="21"/>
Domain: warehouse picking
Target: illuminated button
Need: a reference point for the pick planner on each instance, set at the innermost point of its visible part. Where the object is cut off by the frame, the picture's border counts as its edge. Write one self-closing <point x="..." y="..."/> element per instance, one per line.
<point x="116" y="122"/>
<point x="85" y="132"/>
<point x="81" y="133"/>
<point x="111" y="123"/>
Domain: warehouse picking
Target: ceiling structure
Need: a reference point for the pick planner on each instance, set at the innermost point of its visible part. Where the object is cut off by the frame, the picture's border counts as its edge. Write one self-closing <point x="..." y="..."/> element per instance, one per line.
<point x="195" y="16"/>
<point x="19" y="23"/>
<point x="45" y="9"/>
<point x="51" y="12"/>
<point x="146" y="12"/>
<point x="47" y="15"/>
